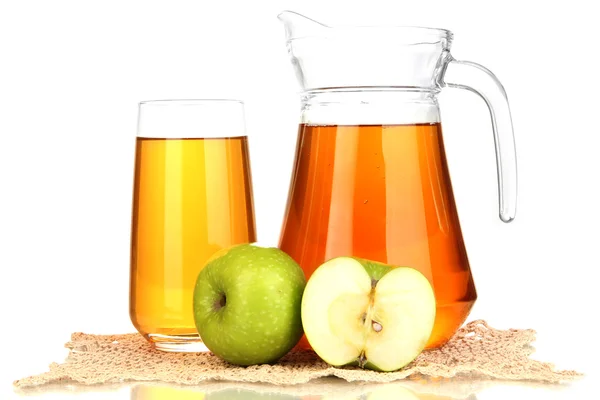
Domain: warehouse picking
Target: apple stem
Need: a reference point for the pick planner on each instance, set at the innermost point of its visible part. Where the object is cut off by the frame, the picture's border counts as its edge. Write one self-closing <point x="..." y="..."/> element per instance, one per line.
<point x="362" y="359"/>
<point x="220" y="303"/>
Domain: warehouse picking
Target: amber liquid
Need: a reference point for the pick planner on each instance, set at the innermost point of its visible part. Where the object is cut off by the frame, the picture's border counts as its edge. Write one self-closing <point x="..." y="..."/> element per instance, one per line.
<point x="192" y="197"/>
<point x="381" y="193"/>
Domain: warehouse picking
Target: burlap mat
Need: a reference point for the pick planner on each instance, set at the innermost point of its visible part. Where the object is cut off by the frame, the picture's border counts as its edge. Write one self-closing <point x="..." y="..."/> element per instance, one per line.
<point x="476" y="349"/>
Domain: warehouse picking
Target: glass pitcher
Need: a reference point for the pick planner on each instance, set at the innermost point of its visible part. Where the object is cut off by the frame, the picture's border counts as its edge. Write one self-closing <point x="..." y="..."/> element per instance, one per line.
<point x="370" y="177"/>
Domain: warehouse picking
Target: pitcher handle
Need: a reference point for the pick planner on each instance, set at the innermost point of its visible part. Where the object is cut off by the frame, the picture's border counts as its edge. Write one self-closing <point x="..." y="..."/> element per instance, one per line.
<point x="478" y="79"/>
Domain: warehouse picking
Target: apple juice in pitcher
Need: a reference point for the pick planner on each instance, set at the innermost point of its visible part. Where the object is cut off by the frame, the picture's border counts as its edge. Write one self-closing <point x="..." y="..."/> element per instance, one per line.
<point x="370" y="176"/>
<point x="393" y="203"/>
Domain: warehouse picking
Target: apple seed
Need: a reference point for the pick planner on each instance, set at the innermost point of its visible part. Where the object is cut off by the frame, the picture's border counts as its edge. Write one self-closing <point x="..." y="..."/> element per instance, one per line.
<point x="377" y="326"/>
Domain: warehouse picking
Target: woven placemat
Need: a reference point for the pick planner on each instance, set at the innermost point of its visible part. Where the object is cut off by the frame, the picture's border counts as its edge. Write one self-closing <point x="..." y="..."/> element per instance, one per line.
<point x="476" y="349"/>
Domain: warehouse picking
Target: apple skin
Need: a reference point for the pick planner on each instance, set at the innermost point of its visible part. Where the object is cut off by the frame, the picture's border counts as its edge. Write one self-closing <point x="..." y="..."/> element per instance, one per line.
<point x="247" y="304"/>
<point x="376" y="270"/>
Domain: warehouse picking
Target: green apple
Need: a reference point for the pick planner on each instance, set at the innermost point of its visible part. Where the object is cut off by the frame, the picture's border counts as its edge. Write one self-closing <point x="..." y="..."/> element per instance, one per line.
<point x="247" y="304"/>
<point x="359" y="312"/>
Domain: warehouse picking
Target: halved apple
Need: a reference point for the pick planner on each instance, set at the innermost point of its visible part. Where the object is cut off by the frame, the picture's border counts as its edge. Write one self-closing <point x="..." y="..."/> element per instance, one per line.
<point x="373" y="315"/>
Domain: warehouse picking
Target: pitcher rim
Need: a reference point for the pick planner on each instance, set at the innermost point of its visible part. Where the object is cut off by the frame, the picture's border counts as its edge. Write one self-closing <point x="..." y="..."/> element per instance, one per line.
<point x="416" y="31"/>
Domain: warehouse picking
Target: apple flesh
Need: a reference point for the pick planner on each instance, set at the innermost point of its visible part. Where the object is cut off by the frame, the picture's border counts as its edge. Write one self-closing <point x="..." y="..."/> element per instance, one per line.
<point x="247" y="304"/>
<point x="360" y="312"/>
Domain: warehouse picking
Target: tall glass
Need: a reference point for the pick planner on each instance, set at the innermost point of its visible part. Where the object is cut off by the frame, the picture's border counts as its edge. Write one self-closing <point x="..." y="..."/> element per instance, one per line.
<point x="192" y="197"/>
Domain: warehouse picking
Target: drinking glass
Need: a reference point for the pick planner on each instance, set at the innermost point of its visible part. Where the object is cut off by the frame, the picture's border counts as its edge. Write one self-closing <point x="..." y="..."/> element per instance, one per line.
<point x="192" y="197"/>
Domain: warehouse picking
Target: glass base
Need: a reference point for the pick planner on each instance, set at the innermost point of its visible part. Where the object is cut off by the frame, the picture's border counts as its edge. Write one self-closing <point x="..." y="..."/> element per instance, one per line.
<point x="177" y="344"/>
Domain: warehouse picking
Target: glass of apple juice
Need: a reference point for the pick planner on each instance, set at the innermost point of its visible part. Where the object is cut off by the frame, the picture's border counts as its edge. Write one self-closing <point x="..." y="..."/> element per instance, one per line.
<point x="192" y="196"/>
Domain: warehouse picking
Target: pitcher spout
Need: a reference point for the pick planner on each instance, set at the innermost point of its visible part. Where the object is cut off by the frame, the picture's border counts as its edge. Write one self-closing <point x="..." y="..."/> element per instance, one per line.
<point x="297" y="25"/>
<point x="326" y="56"/>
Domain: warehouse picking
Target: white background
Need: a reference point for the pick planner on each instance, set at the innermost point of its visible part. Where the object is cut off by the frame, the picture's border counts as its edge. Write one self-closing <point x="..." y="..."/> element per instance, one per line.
<point x="73" y="72"/>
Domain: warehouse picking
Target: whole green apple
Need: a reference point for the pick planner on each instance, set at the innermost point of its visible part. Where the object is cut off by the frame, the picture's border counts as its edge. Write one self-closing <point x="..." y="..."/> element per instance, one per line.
<point x="247" y="302"/>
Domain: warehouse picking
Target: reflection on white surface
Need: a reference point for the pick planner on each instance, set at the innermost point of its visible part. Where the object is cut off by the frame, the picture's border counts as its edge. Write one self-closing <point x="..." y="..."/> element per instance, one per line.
<point x="324" y="388"/>
<point x="320" y="389"/>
